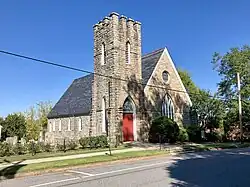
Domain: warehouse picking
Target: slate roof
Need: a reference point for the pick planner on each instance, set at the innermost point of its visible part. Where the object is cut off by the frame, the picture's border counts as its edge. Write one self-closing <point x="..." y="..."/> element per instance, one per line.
<point x="149" y="62"/>
<point x="77" y="99"/>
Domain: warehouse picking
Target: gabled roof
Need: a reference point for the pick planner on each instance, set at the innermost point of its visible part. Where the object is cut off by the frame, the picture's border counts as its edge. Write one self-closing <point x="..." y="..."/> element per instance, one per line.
<point x="76" y="100"/>
<point x="165" y="51"/>
<point x="149" y="62"/>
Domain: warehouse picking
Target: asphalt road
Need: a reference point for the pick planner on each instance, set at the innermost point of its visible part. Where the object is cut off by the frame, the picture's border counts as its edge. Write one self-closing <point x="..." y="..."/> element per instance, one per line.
<point x="229" y="168"/>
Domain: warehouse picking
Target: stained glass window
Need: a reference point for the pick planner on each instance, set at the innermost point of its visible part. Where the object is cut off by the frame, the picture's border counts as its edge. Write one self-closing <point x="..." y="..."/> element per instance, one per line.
<point x="168" y="107"/>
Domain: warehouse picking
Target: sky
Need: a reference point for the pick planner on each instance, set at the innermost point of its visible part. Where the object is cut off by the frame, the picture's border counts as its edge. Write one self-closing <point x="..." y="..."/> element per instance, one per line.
<point x="62" y="31"/>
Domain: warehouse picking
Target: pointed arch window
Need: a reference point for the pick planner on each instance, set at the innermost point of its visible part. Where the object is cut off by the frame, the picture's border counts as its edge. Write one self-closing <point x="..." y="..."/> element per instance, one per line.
<point x="168" y="107"/>
<point x="69" y="124"/>
<point x="128" y="52"/>
<point x="60" y="125"/>
<point x="103" y="54"/>
<point x="80" y="124"/>
<point x="50" y="126"/>
<point x="128" y="106"/>
<point x="103" y="115"/>
<point x="54" y="125"/>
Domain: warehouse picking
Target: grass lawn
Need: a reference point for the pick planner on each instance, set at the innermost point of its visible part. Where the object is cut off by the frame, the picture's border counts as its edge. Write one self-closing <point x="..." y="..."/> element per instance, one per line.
<point x="15" y="169"/>
<point x="53" y="154"/>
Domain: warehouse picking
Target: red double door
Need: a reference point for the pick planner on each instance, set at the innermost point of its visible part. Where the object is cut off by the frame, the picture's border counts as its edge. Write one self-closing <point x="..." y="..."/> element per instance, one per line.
<point x="127" y="127"/>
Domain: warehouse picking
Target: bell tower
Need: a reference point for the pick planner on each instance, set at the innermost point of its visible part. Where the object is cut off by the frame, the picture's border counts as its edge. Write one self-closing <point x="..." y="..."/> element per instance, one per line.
<point x="117" y="60"/>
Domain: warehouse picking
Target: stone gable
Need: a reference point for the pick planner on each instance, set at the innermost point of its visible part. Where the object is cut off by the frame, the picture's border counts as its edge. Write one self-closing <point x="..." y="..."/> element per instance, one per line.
<point x="173" y="87"/>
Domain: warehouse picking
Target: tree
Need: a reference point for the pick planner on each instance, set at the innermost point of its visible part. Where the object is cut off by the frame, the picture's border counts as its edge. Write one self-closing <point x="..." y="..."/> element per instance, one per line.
<point x="2" y="135"/>
<point x="43" y="110"/>
<point x="237" y="60"/>
<point x="209" y="109"/>
<point x="32" y="126"/>
<point x="190" y="86"/>
<point x="36" y="118"/>
<point x="14" y="125"/>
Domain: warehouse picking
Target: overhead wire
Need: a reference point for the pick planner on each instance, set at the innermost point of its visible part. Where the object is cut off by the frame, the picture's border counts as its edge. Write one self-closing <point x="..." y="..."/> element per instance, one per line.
<point x="95" y="73"/>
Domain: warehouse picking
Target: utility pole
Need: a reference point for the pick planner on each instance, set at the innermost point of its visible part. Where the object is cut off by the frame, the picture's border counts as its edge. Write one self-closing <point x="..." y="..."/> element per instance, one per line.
<point x="240" y="109"/>
<point x="0" y="131"/>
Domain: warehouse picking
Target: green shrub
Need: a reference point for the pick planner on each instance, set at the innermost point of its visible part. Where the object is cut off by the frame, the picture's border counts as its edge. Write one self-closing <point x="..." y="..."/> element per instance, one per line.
<point x="163" y="129"/>
<point x="61" y="147"/>
<point x="94" y="142"/>
<point x="19" y="149"/>
<point x="194" y="133"/>
<point x="71" y="145"/>
<point x="34" y="147"/>
<point x="84" y="142"/>
<point x="47" y="148"/>
<point x="183" y="135"/>
<point x="5" y="149"/>
<point x="214" y="136"/>
<point x="103" y="141"/>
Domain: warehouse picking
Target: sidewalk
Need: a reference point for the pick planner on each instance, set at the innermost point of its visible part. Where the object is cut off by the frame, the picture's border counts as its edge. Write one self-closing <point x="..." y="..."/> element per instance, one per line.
<point x="135" y="146"/>
<point x="84" y="155"/>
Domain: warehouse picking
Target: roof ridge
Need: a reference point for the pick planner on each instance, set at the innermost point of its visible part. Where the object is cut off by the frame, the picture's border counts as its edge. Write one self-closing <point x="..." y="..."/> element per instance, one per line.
<point x="153" y="52"/>
<point x="85" y="76"/>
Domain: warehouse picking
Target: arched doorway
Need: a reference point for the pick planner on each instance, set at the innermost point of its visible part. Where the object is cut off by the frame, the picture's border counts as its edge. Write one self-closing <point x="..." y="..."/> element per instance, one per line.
<point x="128" y="125"/>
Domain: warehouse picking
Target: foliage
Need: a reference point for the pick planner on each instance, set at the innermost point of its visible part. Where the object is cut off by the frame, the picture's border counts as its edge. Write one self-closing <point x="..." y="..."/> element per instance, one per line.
<point x="183" y="135"/>
<point x="94" y="142"/>
<point x="18" y="149"/>
<point x="14" y="125"/>
<point x="5" y="149"/>
<point x="36" y="118"/>
<point x="233" y="62"/>
<point x="214" y="136"/>
<point x="2" y="124"/>
<point x="45" y="147"/>
<point x="237" y="60"/>
<point x="43" y="110"/>
<point x="164" y="129"/>
<point x="194" y="133"/>
<point x="32" y="128"/>
<point x="84" y="142"/>
<point x="61" y="147"/>
<point x="34" y="147"/>
<point x="102" y="141"/>
<point x="209" y="109"/>
<point x="190" y="86"/>
<point x="71" y="145"/>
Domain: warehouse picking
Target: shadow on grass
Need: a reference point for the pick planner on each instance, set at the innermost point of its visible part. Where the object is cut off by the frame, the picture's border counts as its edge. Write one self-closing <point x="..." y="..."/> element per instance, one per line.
<point x="4" y="161"/>
<point x="214" y="168"/>
<point x="9" y="172"/>
<point x="187" y="147"/>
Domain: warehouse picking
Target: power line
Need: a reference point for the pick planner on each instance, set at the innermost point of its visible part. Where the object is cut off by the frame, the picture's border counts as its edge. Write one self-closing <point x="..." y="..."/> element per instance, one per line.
<point x="89" y="72"/>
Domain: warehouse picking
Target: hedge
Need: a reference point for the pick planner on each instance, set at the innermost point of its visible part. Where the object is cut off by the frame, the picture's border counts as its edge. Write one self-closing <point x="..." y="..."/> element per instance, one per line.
<point x="94" y="142"/>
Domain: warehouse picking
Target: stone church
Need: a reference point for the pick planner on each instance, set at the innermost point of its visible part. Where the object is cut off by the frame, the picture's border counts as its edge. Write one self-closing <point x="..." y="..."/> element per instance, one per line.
<point x="125" y="92"/>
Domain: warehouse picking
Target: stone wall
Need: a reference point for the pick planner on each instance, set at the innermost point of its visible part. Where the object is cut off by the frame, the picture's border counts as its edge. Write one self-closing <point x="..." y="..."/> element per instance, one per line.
<point x="56" y="135"/>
